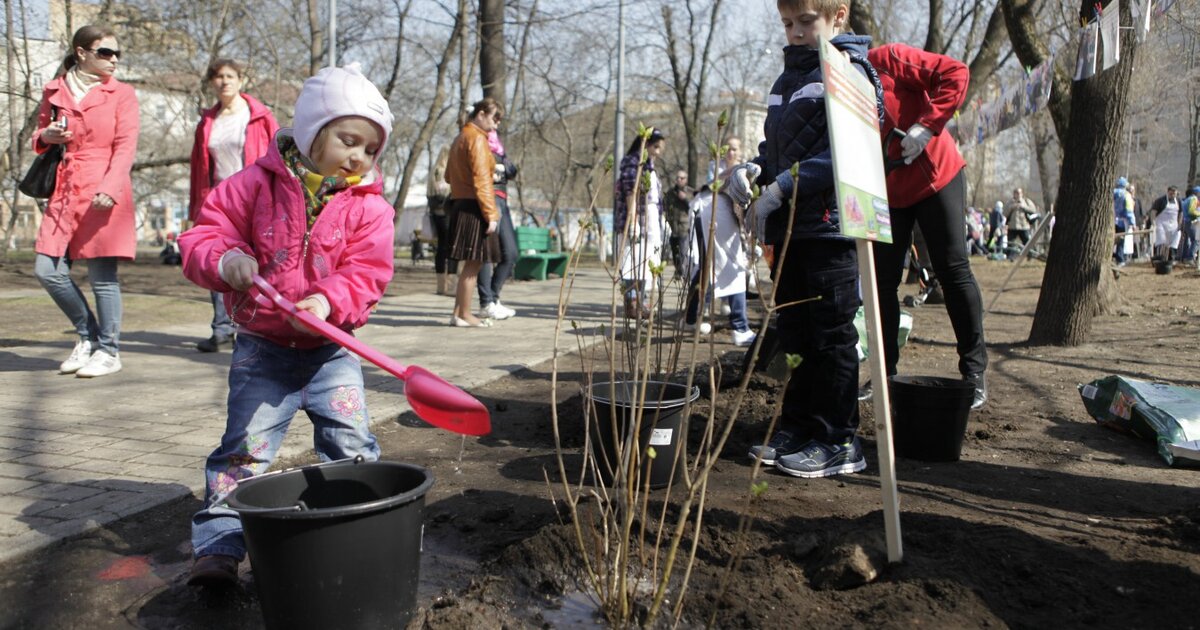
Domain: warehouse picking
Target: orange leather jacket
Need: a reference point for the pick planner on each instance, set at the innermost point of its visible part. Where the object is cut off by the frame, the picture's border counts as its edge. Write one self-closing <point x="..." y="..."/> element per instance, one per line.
<point x="469" y="171"/>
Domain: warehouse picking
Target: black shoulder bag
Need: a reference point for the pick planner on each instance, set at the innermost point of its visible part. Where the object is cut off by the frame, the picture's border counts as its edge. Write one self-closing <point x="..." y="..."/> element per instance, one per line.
<point x="40" y="178"/>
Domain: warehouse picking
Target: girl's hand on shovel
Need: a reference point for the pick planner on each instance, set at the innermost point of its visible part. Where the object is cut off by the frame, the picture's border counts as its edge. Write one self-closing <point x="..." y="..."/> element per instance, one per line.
<point x="315" y="305"/>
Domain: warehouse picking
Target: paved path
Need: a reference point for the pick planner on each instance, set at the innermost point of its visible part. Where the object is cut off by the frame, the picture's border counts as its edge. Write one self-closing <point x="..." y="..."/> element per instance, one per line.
<point x="78" y="453"/>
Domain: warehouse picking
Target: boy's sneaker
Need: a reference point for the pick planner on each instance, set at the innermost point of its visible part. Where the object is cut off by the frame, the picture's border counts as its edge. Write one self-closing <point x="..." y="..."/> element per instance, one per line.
<point x="504" y="309"/>
<point x="865" y="392"/>
<point x="782" y="443"/>
<point x="101" y="364"/>
<point x="743" y="338"/>
<point x="822" y="460"/>
<point x="495" y="311"/>
<point x="705" y="328"/>
<point x="79" y="357"/>
<point x="214" y="571"/>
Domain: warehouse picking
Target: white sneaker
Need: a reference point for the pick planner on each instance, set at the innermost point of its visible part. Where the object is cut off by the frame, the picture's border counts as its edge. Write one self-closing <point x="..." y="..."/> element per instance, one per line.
<point x="504" y="309"/>
<point x="101" y="364"/>
<point x="705" y="328"/>
<point x="743" y="338"/>
<point x="492" y="312"/>
<point x="79" y="357"/>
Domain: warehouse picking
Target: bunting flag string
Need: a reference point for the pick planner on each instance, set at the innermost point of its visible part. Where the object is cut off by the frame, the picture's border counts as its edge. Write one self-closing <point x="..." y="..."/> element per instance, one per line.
<point x="1099" y="45"/>
<point x="978" y="120"/>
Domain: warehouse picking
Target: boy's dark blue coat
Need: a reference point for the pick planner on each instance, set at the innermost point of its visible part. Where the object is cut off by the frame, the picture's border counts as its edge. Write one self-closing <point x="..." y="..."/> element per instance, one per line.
<point x="797" y="132"/>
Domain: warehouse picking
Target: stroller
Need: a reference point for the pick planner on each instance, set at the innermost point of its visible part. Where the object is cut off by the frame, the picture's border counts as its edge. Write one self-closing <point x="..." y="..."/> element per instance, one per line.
<point x="170" y="252"/>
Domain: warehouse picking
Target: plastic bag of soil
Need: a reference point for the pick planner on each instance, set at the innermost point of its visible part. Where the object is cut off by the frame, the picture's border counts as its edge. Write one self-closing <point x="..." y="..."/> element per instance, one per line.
<point x="860" y="322"/>
<point x="1167" y="414"/>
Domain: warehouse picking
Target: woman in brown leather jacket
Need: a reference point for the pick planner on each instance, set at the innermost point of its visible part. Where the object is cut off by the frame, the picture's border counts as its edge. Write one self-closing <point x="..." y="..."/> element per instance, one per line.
<point x="473" y="214"/>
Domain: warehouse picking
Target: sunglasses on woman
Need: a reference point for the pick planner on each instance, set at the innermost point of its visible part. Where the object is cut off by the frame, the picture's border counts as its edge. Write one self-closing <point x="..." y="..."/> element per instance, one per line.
<point x="106" y="54"/>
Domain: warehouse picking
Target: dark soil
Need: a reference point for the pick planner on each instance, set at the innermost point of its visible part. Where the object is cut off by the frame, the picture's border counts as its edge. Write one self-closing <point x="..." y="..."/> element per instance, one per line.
<point x="1048" y="520"/>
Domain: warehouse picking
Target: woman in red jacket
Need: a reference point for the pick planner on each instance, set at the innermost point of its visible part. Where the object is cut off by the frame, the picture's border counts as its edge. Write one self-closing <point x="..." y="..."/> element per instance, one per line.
<point x="922" y="90"/>
<point x="231" y="135"/>
<point x="90" y="216"/>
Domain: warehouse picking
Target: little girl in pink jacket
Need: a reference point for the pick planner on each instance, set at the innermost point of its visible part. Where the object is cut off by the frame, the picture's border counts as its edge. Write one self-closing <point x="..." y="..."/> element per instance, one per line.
<point x="309" y="217"/>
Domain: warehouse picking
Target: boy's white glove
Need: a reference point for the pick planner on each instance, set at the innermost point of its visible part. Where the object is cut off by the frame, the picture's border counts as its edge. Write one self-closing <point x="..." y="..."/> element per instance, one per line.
<point x="737" y="187"/>
<point x="767" y="202"/>
<point x="914" y="143"/>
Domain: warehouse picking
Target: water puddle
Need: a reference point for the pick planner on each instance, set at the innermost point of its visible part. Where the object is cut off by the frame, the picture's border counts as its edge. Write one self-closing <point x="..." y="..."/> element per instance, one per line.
<point x="576" y="610"/>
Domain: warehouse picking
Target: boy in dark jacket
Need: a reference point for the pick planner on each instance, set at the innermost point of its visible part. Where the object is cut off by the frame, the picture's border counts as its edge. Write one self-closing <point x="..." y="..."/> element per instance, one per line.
<point x="817" y="430"/>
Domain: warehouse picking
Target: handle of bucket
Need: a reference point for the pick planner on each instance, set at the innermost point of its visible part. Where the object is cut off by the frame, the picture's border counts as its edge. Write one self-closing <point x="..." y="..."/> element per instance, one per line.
<point x="299" y="507"/>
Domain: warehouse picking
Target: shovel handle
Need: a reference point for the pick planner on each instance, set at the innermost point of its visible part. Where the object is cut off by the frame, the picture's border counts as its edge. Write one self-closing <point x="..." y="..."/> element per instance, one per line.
<point x="888" y="164"/>
<point x="329" y="331"/>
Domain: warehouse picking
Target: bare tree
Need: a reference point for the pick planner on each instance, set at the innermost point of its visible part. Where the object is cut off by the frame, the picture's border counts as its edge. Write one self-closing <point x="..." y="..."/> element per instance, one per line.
<point x="316" y="37"/>
<point x="493" y="71"/>
<point x="1078" y="284"/>
<point x="689" y="57"/>
<point x="433" y="113"/>
<point x="935" y="40"/>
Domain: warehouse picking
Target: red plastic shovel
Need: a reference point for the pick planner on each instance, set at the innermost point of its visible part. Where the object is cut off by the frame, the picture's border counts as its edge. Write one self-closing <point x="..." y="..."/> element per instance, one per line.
<point x="433" y="399"/>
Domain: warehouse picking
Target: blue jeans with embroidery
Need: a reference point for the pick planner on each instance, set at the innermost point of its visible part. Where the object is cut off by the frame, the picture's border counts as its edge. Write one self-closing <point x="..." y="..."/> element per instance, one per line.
<point x="268" y="384"/>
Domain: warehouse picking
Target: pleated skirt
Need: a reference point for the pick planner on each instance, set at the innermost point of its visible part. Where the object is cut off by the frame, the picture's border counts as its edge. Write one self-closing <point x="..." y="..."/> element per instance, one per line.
<point x="469" y="239"/>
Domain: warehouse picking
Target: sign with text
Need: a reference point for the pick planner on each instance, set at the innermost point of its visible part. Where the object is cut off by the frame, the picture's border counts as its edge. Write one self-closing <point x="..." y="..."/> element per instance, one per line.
<point x="857" y="156"/>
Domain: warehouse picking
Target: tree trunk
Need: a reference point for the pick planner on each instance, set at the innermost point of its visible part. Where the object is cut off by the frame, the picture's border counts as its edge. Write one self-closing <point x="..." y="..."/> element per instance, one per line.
<point x="934" y="36"/>
<point x="492" y="71"/>
<point x="987" y="59"/>
<point x="316" y="41"/>
<point x="1193" y="119"/>
<point x="862" y="21"/>
<point x="1078" y="283"/>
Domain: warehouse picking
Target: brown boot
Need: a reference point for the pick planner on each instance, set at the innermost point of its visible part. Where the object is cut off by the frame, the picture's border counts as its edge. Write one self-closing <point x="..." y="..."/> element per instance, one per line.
<point x="214" y="571"/>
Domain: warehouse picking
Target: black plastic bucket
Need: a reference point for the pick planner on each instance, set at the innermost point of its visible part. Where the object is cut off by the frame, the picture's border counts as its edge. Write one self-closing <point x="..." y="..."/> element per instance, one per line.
<point x="929" y="416"/>
<point x="335" y="545"/>
<point x="660" y="429"/>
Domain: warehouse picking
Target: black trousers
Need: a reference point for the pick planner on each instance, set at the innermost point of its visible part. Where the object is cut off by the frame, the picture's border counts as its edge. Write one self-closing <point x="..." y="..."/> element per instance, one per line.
<point x="941" y="219"/>
<point x="820" y="402"/>
<point x="442" y="263"/>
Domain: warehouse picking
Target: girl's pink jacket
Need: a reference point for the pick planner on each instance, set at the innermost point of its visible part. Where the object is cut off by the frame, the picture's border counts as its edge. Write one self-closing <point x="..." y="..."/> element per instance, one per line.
<point x="346" y="256"/>
<point x="259" y="133"/>
<point x="927" y="88"/>
<point x="99" y="159"/>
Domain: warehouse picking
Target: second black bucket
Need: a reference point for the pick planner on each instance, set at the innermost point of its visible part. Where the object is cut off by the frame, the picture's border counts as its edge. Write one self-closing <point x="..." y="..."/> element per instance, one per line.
<point x="335" y="545"/>
<point x="929" y="416"/>
<point x="661" y="425"/>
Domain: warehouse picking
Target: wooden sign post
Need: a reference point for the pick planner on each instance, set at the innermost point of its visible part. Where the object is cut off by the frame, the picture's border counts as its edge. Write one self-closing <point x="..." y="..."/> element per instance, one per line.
<point x="862" y="201"/>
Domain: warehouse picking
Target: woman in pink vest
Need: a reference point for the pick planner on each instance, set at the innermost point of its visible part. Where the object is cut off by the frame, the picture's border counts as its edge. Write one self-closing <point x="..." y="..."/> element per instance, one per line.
<point x="231" y="135"/>
<point x="90" y="216"/>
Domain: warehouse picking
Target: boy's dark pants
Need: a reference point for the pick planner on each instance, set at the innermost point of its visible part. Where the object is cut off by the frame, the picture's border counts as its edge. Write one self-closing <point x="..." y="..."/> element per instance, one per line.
<point x="821" y="400"/>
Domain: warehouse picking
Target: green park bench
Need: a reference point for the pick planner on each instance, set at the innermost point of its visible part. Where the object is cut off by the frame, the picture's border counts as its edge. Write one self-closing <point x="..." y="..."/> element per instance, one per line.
<point x="534" y="258"/>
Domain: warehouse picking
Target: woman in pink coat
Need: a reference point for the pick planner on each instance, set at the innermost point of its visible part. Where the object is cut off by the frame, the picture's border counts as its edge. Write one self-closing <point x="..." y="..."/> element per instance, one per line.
<point x="231" y="135"/>
<point x="90" y="216"/>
